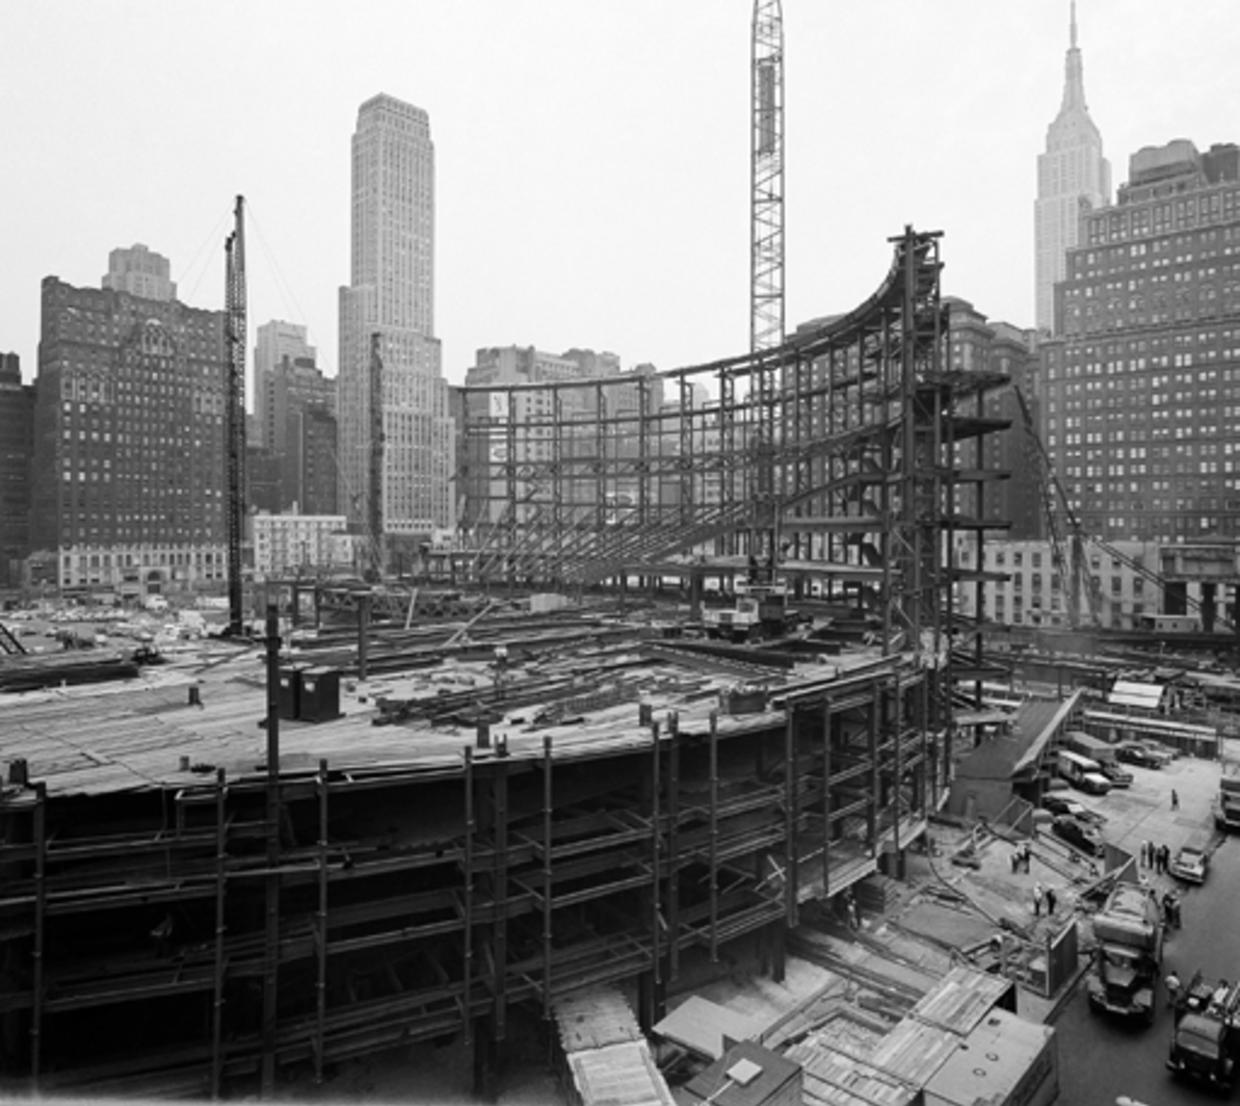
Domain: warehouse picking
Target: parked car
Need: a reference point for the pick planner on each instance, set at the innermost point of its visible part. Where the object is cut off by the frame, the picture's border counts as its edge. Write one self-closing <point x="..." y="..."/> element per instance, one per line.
<point x="1133" y="752"/>
<point x="1190" y="864"/>
<point x="1119" y="777"/>
<point x="1079" y="834"/>
<point x="1059" y="804"/>
<point x="1094" y="783"/>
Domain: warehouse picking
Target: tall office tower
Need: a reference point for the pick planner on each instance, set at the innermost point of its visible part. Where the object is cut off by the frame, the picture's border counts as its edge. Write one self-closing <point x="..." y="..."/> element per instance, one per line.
<point x="129" y="488"/>
<point x="309" y="469"/>
<point x="389" y="356"/>
<point x="981" y="346"/>
<point x="140" y="272"/>
<point x="1072" y="175"/>
<point x="1140" y="390"/>
<point x="278" y="343"/>
<point x="16" y="441"/>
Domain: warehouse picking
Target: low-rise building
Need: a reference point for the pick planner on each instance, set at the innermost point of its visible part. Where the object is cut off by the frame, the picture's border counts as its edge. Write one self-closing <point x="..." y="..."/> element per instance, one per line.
<point x="288" y="542"/>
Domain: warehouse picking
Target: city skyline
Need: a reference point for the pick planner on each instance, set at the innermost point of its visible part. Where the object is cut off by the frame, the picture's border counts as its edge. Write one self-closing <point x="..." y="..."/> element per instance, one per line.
<point x="578" y="202"/>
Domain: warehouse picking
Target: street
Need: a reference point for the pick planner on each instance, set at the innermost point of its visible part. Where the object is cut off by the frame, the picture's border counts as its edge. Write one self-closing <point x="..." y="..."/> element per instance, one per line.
<point x="1100" y="1058"/>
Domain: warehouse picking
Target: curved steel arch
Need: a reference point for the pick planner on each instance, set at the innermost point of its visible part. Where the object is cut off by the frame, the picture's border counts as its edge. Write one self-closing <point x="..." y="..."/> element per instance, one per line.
<point x="854" y="487"/>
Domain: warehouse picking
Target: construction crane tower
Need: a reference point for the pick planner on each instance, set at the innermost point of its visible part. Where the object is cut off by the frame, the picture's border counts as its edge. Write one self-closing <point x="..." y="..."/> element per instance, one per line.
<point x="766" y="249"/>
<point x="234" y="418"/>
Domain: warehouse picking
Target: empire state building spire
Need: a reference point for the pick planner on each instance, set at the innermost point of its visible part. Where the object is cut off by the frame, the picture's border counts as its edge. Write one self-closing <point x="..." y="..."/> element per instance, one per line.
<point x="1071" y="172"/>
<point x="1074" y="73"/>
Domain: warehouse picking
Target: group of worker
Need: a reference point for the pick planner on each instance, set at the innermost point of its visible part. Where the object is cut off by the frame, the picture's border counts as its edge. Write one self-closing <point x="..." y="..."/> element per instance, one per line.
<point x="1154" y="856"/>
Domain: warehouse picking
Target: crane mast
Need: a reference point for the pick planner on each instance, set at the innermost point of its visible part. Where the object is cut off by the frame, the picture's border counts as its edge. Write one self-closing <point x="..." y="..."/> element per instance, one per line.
<point x="766" y="258"/>
<point x="234" y="417"/>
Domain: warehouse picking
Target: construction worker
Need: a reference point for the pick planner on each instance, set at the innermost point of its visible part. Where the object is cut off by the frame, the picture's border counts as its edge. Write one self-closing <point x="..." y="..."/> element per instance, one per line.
<point x="1173" y="988"/>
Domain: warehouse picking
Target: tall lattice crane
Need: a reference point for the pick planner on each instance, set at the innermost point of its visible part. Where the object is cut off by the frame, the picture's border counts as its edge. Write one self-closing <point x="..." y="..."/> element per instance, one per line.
<point x="766" y="245"/>
<point x="234" y="417"/>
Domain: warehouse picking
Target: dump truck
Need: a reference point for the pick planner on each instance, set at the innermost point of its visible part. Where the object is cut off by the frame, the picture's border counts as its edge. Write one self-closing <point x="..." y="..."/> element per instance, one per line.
<point x="1206" y="1041"/>
<point x="1125" y="973"/>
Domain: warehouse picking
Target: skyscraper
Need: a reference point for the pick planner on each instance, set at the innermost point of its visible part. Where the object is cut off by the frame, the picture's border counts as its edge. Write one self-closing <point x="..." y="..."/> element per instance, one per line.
<point x="278" y="346"/>
<point x="389" y="307"/>
<point x="16" y="439"/>
<point x="128" y="475"/>
<point x="1140" y="389"/>
<point x="1071" y="172"/>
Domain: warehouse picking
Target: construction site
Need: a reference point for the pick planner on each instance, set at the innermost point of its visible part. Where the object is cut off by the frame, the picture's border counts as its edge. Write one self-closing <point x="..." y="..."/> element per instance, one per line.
<point x="698" y="671"/>
<point x="255" y="871"/>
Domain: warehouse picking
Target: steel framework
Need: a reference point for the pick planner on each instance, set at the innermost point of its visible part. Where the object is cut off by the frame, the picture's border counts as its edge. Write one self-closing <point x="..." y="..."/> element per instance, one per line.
<point x="139" y="941"/>
<point x="860" y="477"/>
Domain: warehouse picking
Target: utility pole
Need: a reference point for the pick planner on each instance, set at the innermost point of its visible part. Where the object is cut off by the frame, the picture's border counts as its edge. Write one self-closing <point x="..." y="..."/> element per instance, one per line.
<point x="234" y="417"/>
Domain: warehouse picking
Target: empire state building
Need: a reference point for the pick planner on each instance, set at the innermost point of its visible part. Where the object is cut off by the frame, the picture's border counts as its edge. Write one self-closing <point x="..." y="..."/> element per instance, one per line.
<point x="1071" y="171"/>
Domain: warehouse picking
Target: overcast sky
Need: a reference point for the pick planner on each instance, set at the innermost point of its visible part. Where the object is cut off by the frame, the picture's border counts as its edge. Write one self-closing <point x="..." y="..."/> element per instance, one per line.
<point x="592" y="156"/>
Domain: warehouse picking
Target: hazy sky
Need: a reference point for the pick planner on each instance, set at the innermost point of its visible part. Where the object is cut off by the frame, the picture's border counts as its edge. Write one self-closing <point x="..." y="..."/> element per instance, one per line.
<point x="592" y="156"/>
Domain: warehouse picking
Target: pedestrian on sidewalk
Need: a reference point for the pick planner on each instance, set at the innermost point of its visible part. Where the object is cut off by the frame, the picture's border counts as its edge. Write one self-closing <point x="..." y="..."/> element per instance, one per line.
<point x="1037" y="900"/>
<point x="1164" y="858"/>
<point x="1145" y="854"/>
<point x="1015" y="861"/>
<point x="1050" y="901"/>
<point x="1175" y="799"/>
<point x="1027" y="853"/>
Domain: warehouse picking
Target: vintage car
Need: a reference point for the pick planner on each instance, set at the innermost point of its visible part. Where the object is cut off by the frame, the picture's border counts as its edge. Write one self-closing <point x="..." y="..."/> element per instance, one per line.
<point x="1061" y="804"/>
<point x="1190" y="864"/>
<point x="1079" y="834"/>
<point x="1133" y="752"/>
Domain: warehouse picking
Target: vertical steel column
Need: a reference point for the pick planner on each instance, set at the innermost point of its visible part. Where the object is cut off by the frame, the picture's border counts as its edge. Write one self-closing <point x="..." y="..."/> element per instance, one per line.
<point x="40" y="924"/>
<point x="643" y="453"/>
<point x="600" y="463"/>
<point x="714" y="837"/>
<point x="548" y="798"/>
<point x="687" y="420"/>
<point x="271" y="930"/>
<point x="897" y="770"/>
<point x="511" y="489"/>
<point x="221" y="884"/>
<point x="826" y="799"/>
<point x="499" y="888"/>
<point x="467" y="906"/>
<point x="673" y="856"/>
<point x="727" y="453"/>
<point x="320" y="983"/>
<point x="655" y="825"/>
<point x="875" y="794"/>
<point x="790" y="817"/>
<point x="557" y="483"/>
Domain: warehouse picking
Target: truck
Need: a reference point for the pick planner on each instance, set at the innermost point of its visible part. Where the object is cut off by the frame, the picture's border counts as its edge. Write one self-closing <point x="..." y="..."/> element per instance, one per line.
<point x="761" y="611"/>
<point x="1227" y="801"/>
<point x="1102" y="752"/>
<point x="1082" y="773"/>
<point x="1124" y="976"/>
<point x="1206" y="1040"/>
